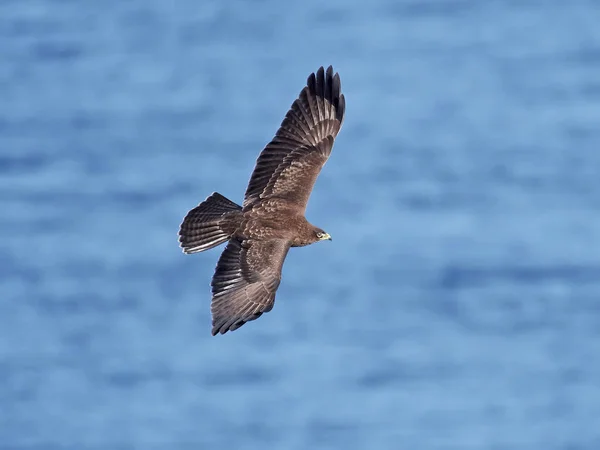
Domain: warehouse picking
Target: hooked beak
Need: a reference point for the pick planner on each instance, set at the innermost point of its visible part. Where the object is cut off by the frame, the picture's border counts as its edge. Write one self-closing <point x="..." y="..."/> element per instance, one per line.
<point x="326" y="237"/>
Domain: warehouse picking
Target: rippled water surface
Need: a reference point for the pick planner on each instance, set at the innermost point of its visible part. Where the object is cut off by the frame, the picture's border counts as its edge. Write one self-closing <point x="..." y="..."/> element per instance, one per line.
<point x="458" y="305"/>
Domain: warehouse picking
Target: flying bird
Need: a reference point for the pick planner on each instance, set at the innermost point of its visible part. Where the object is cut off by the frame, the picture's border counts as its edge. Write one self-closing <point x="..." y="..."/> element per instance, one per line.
<point x="260" y="233"/>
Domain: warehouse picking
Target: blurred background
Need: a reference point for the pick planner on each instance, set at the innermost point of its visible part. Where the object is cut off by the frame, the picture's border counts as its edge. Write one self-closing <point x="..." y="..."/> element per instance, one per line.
<point x="457" y="306"/>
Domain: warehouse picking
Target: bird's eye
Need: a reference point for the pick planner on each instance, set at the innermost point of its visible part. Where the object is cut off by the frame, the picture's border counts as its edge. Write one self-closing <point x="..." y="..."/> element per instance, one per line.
<point x="319" y="234"/>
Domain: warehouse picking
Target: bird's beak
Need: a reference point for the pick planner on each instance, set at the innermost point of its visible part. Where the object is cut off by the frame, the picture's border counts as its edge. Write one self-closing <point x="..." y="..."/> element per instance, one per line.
<point x="326" y="237"/>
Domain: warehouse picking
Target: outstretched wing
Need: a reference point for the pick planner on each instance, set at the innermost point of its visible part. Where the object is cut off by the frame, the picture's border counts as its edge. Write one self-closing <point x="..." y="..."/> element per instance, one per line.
<point x="290" y="164"/>
<point x="245" y="281"/>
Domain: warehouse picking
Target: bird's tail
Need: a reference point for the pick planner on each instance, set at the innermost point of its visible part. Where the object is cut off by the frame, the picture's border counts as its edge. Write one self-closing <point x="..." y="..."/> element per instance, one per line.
<point x="209" y="224"/>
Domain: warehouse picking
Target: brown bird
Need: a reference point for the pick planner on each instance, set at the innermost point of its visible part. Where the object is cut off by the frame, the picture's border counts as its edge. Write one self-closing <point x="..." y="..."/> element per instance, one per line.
<point x="271" y="220"/>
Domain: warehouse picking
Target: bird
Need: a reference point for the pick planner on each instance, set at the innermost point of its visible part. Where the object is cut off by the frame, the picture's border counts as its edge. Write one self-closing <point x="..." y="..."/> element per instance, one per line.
<point x="271" y="220"/>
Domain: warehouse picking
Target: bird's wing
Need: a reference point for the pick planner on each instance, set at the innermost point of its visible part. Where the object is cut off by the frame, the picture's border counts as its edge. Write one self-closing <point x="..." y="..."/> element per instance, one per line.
<point x="245" y="281"/>
<point x="289" y="165"/>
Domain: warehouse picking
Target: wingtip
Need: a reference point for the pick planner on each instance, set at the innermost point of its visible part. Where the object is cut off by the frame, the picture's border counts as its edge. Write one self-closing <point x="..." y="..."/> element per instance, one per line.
<point x="225" y="326"/>
<point x="325" y="81"/>
<point x="322" y="73"/>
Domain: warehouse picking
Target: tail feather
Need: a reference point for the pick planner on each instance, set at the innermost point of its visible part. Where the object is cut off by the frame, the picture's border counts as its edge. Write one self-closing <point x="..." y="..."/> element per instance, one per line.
<point x="208" y="224"/>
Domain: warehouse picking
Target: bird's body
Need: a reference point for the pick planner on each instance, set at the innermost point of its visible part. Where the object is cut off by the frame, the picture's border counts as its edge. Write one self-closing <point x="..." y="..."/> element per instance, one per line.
<point x="276" y="219"/>
<point x="271" y="220"/>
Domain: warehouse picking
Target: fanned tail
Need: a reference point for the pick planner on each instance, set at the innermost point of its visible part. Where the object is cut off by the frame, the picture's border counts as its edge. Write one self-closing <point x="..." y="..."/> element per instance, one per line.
<point x="209" y="224"/>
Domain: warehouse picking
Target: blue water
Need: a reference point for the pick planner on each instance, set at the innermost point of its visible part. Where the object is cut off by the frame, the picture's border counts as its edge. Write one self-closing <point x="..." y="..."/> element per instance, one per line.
<point x="458" y="305"/>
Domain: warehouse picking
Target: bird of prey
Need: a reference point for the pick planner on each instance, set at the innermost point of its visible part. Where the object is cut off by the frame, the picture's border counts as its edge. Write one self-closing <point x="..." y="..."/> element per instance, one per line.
<point x="260" y="233"/>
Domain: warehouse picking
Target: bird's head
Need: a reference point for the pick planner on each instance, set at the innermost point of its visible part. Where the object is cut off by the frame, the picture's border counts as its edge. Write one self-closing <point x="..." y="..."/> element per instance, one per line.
<point x="321" y="235"/>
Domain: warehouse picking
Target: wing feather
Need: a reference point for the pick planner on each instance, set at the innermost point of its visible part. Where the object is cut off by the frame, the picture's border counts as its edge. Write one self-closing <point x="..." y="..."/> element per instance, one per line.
<point x="296" y="175"/>
<point x="245" y="282"/>
<point x="311" y="125"/>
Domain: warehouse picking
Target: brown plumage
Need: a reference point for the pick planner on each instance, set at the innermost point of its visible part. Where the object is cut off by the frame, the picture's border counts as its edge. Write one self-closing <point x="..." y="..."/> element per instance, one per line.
<point x="271" y="220"/>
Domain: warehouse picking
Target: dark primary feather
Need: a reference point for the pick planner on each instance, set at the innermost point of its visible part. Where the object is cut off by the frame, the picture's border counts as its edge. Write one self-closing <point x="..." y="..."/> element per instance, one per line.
<point x="245" y="281"/>
<point x="290" y="164"/>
